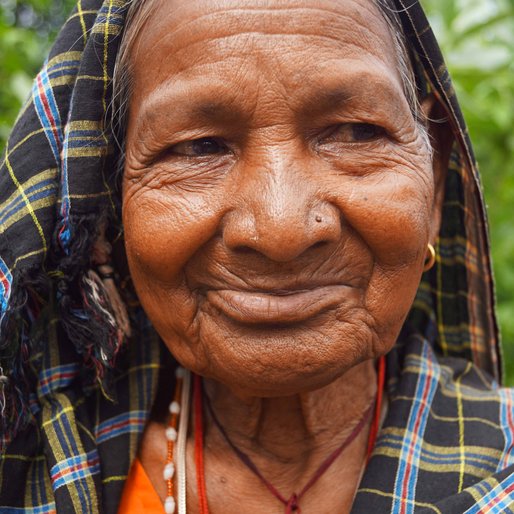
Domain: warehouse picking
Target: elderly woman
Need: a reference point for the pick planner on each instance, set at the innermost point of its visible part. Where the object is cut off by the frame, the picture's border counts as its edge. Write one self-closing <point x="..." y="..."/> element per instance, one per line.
<point x="227" y="299"/>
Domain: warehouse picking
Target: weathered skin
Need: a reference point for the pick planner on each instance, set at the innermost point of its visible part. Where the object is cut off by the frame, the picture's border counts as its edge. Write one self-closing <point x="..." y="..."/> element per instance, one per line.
<point x="279" y="256"/>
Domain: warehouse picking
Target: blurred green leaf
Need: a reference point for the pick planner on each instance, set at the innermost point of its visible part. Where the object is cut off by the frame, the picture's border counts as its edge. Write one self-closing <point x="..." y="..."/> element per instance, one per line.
<point x="477" y="39"/>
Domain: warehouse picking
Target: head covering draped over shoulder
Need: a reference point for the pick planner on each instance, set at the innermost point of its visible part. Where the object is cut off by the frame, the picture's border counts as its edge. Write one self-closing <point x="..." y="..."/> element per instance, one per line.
<point x="68" y="437"/>
<point x="57" y="187"/>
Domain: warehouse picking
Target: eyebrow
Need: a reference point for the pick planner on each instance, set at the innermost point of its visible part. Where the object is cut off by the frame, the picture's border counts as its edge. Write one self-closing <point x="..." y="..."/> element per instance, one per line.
<point x="190" y="102"/>
<point x="361" y="89"/>
<point x="326" y="100"/>
<point x="213" y="110"/>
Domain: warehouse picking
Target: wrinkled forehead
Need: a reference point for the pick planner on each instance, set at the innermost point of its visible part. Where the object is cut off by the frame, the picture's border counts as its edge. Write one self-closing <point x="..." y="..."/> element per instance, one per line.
<point x="196" y="31"/>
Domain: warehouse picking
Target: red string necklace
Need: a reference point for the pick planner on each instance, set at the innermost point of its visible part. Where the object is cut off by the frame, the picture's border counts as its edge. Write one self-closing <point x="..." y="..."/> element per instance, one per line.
<point x="292" y="503"/>
<point x="200" y="470"/>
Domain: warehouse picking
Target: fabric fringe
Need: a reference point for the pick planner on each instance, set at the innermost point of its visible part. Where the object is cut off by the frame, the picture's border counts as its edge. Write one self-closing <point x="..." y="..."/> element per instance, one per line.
<point x="15" y="349"/>
<point x="86" y="315"/>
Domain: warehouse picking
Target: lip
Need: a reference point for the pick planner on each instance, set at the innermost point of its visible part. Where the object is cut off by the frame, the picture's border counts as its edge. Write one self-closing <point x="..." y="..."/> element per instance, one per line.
<point x="251" y="307"/>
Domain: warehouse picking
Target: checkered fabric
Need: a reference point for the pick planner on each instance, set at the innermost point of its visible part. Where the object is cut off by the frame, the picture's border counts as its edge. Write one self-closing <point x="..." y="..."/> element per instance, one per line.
<point x="71" y="422"/>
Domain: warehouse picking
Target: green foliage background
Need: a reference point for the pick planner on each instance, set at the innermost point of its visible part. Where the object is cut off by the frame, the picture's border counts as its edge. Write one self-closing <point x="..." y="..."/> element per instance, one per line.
<point x="477" y="38"/>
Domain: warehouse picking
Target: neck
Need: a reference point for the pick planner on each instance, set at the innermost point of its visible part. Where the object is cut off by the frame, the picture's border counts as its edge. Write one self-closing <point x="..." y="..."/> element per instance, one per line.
<point x="294" y="430"/>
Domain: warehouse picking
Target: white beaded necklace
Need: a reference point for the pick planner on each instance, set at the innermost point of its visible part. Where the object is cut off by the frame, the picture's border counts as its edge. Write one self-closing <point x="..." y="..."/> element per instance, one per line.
<point x="176" y="435"/>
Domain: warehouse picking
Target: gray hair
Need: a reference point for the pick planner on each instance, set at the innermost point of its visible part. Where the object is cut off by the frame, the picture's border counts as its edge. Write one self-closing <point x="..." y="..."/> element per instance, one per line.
<point x="140" y="10"/>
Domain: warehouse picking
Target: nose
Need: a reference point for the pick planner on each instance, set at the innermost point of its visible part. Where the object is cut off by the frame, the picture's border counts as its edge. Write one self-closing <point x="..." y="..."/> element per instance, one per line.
<point x="281" y="218"/>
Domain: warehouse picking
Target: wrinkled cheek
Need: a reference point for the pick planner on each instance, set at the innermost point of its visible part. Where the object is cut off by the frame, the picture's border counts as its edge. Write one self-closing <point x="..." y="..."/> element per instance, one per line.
<point x="171" y="309"/>
<point x="393" y="219"/>
<point x="392" y="216"/>
<point x="162" y="234"/>
<point x="390" y="296"/>
<point x="173" y="313"/>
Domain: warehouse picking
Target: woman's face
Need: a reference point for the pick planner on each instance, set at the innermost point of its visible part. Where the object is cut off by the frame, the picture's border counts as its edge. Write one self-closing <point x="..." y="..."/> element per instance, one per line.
<point x="278" y="197"/>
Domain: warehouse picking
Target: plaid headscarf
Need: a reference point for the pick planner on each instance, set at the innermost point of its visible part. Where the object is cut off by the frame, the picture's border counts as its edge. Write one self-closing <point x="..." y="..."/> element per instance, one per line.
<point x="70" y="421"/>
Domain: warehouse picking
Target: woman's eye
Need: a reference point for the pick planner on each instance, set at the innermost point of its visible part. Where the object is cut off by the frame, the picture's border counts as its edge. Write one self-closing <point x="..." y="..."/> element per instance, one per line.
<point x="199" y="147"/>
<point x="366" y="131"/>
<point x="354" y="133"/>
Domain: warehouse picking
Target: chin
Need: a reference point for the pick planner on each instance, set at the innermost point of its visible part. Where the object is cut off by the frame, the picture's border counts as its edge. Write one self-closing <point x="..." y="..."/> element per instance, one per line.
<point x="276" y="360"/>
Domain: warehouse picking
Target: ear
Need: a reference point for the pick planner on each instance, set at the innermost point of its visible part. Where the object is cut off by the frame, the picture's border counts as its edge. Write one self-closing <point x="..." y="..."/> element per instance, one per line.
<point x="441" y="139"/>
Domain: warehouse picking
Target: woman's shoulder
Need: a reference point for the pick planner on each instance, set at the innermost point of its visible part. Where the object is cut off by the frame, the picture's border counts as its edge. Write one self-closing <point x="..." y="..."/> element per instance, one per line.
<point x="447" y="441"/>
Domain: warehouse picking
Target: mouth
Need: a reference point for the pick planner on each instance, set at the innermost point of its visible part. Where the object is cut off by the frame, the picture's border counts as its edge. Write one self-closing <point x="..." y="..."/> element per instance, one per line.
<point x="277" y="307"/>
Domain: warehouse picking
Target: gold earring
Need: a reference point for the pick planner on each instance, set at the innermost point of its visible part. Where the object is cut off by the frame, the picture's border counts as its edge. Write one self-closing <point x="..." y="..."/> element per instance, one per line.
<point x="430" y="259"/>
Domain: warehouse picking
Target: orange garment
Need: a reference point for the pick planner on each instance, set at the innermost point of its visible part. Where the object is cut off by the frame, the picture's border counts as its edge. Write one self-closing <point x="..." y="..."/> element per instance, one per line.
<point x="139" y="495"/>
